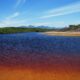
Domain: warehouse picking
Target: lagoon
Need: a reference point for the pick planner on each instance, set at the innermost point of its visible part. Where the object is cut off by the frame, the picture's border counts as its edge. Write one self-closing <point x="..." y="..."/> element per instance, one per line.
<point x="39" y="42"/>
<point x="34" y="55"/>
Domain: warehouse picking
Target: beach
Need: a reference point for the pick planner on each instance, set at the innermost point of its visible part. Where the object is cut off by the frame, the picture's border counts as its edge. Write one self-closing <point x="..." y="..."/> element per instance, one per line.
<point x="68" y="33"/>
<point x="26" y="74"/>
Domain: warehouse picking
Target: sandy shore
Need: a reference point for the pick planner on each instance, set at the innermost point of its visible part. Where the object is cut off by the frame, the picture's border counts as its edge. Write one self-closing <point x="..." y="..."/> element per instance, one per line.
<point x="53" y="33"/>
<point x="26" y="74"/>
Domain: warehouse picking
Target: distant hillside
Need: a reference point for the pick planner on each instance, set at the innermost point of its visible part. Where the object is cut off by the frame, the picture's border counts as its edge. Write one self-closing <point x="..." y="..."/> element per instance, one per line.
<point x="37" y="29"/>
<point x="72" y="28"/>
<point x="42" y="27"/>
<point x="21" y="29"/>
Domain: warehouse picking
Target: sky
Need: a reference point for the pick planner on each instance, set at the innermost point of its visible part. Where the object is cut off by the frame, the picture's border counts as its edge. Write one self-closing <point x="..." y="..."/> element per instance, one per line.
<point x="53" y="13"/>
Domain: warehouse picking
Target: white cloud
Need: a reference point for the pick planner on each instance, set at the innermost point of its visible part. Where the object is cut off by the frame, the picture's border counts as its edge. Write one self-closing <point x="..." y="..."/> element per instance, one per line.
<point x="14" y="15"/>
<point x="19" y="2"/>
<point x="51" y="24"/>
<point x="41" y="23"/>
<point x="11" y="22"/>
<point x="69" y="9"/>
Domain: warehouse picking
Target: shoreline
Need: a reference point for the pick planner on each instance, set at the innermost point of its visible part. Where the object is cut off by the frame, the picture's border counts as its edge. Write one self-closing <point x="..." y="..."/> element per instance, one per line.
<point x="68" y="33"/>
<point x="54" y="33"/>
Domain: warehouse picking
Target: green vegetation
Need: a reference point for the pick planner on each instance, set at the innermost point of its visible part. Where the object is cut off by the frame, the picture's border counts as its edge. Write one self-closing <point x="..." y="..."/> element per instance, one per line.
<point x="72" y="28"/>
<point x="8" y="30"/>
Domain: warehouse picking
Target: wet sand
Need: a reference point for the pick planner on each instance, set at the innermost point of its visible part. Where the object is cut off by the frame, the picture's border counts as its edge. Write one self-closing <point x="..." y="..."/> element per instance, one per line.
<point x="31" y="74"/>
<point x="52" y="68"/>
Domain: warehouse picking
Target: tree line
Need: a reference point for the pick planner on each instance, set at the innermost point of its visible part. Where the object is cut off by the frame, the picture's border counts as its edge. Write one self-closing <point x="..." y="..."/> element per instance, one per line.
<point x="21" y="29"/>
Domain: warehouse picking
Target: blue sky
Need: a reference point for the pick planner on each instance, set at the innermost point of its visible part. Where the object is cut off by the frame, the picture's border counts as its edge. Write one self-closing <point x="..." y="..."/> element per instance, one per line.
<point x="53" y="13"/>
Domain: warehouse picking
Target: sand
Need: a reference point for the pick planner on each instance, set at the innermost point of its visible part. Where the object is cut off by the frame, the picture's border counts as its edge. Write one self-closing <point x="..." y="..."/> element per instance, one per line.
<point x="53" y="33"/>
<point x="26" y="74"/>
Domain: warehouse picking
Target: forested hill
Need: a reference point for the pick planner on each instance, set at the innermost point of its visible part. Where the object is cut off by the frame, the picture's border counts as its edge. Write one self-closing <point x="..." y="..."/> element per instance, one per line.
<point x="8" y="30"/>
<point x="72" y="28"/>
<point x="37" y="29"/>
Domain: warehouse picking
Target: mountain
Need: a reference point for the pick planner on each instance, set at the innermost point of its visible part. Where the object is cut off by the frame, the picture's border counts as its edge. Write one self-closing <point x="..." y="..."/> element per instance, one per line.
<point x="43" y="27"/>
